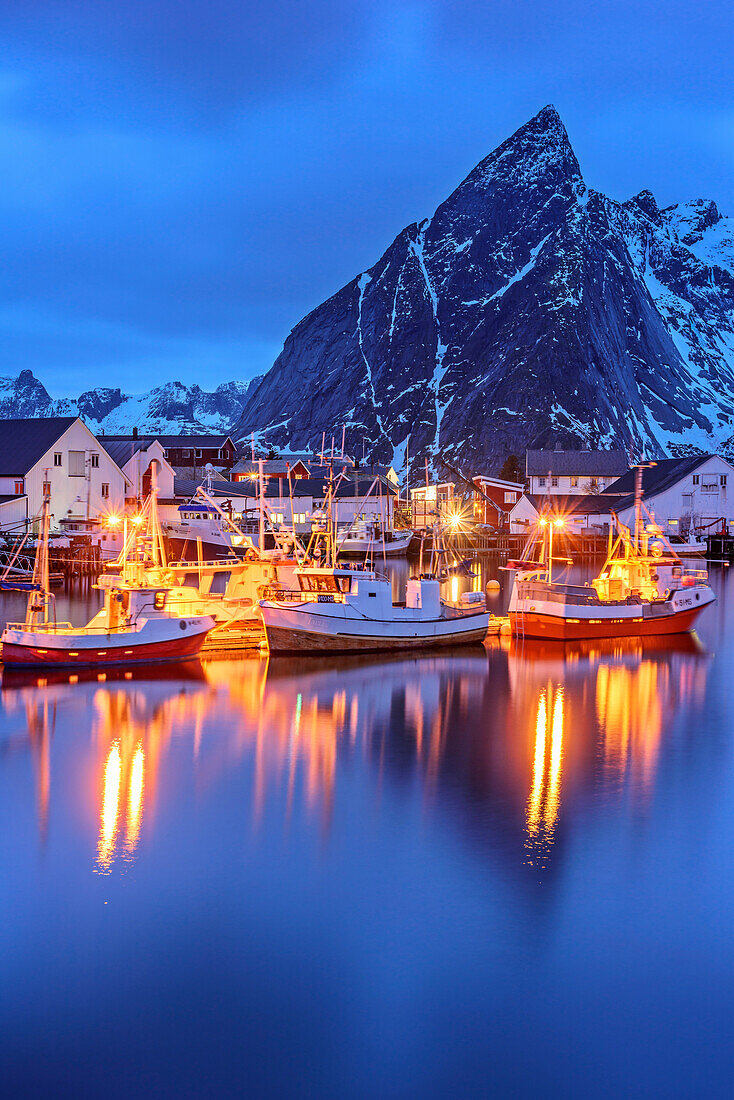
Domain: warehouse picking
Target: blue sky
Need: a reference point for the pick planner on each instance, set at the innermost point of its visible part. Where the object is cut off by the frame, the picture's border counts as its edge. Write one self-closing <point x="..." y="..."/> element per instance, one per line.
<point x="180" y="181"/>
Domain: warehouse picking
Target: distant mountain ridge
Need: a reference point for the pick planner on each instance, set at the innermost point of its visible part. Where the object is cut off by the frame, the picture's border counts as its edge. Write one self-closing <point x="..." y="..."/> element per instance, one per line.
<point x="167" y="409"/>
<point x="528" y="310"/>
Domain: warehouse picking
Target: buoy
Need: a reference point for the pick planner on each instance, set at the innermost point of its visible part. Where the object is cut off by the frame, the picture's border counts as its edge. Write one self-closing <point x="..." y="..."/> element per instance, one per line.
<point x="493" y="586"/>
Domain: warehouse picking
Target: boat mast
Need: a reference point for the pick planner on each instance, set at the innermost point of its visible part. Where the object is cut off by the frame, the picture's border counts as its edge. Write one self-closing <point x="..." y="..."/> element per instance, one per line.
<point x="262" y="506"/>
<point x="40" y="596"/>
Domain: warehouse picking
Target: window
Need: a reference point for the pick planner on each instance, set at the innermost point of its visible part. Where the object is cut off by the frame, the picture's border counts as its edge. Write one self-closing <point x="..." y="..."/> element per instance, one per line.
<point x="199" y="453"/>
<point x="723" y="481"/>
<point x="709" y="484"/>
<point x="95" y="461"/>
<point x="299" y="517"/>
<point x="277" y="517"/>
<point x="105" y="490"/>
<point x="541" y="481"/>
<point x="574" y="482"/>
<point x="510" y="498"/>
<point x="593" y="483"/>
<point x="47" y="488"/>
<point x="554" y="482"/>
<point x="695" y="479"/>
<point x="57" y="458"/>
<point x="76" y="463"/>
<point x="159" y="600"/>
<point x="19" y="488"/>
<point x="185" y="454"/>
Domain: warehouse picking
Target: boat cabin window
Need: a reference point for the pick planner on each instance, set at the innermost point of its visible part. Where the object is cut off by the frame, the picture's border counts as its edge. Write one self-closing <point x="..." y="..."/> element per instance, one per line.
<point x="319" y="583"/>
<point x="191" y="580"/>
<point x="345" y="583"/>
<point x="159" y="600"/>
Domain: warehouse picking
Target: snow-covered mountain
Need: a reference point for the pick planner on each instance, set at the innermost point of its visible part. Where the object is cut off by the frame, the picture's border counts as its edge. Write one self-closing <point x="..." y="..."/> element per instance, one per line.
<point x="528" y="310"/>
<point x="167" y="409"/>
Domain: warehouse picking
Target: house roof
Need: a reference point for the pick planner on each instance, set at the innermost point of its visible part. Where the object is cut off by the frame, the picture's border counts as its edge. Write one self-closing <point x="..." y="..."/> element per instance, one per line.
<point x="655" y="479"/>
<point x="122" y="450"/>
<point x="579" y="504"/>
<point x="271" y="466"/>
<point x="357" y="486"/>
<point x="173" y="441"/>
<point x="24" y="442"/>
<point x="580" y="463"/>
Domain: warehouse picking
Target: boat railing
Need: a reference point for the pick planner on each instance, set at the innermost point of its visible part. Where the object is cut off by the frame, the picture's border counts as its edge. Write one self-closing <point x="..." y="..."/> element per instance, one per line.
<point x="67" y="628"/>
<point x="556" y="592"/>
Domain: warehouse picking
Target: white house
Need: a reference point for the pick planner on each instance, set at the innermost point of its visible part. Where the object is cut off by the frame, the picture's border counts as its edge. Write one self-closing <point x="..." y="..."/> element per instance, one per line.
<point x="84" y="483"/>
<point x="565" y="473"/>
<point x="681" y="493"/>
<point x="135" y="457"/>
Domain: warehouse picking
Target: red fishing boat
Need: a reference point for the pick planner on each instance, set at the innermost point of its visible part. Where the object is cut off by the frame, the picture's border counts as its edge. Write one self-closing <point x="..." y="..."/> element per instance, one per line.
<point x="133" y="626"/>
<point x="643" y="588"/>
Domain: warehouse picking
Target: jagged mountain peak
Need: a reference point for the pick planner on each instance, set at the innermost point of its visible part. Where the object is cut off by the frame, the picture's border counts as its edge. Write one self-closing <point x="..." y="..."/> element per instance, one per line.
<point x="525" y="310"/>
<point x="538" y="153"/>
<point x="647" y="203"/>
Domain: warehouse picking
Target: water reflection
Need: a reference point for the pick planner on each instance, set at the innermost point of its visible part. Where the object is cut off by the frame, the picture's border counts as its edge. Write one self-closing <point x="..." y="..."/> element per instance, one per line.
<point x="510" y="735"/>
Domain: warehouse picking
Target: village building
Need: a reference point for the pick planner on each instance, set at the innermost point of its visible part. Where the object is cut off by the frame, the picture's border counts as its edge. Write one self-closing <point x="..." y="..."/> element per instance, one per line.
<point x="683" y="494"/>
<point x="299" y="505"/>
<point x="136" y="457"/>
<point x="587" y="513"/>
<point x="433" y="503"/>
<point x="248" y="468"/>
<point x="495" y="500"/>
<point x="491" y="502"/>
<point x="58" y="456"/>
<point x="189" y="455"/>
<point x="566" y="473"/>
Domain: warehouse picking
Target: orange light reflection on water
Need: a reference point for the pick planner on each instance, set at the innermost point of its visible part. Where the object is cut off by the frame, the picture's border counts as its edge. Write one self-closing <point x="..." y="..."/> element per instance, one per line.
<point x="110" y="807"/>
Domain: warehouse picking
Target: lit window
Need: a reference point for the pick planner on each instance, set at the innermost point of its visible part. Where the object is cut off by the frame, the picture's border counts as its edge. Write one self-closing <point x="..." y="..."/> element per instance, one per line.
<point x="47" y="488"/>
<point x="510" y="498"/>
<point x="574" y="482"/>
<point x="19" y="488"/>
<point x="105" y="490"/>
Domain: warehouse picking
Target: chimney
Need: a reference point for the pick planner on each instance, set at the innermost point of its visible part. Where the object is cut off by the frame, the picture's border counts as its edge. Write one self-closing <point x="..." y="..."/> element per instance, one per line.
<point x="135" y="433"/>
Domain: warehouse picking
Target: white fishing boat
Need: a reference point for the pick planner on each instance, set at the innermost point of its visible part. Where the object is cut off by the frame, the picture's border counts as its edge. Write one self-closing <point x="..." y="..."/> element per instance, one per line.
<point x="135" y="625"/>
<point x="362" y="538"/>
<point x="688" y="548"/>
<point x="342" y="610"/>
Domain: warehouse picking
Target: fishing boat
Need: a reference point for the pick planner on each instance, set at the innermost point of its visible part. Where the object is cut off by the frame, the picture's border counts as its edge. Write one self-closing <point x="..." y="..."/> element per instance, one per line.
<point x="227" y="588"/>
<point x="134" y="625"/>
<point x="362" y="538"/>
<point x="643" y="588"/>
<point x="688" y="548"/>
<point x="347" y="610"/>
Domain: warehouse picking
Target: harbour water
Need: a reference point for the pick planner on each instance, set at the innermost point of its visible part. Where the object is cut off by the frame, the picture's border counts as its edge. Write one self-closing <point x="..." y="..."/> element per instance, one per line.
<point x="496" y="871"/>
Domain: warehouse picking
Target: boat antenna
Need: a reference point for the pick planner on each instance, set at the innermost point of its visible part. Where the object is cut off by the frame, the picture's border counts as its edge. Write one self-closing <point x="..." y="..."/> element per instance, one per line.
<point x="40" y="595"/>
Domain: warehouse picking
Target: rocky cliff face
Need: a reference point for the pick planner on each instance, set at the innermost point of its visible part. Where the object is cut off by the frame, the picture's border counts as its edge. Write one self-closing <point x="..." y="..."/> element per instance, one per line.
<point x="167" y="409"/>
<point x="526" y="311"/>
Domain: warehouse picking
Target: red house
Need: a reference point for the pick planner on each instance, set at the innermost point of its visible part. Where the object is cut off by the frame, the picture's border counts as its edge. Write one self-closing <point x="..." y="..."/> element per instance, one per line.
<point x="495" y="499"/>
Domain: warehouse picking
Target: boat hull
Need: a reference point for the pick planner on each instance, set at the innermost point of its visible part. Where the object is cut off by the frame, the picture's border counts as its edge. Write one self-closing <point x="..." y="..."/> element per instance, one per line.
<point x="357" y="548"/>
<point x="531" y="624"/>
<point x="23" y="649"/>
<point x="290" y="631"/>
